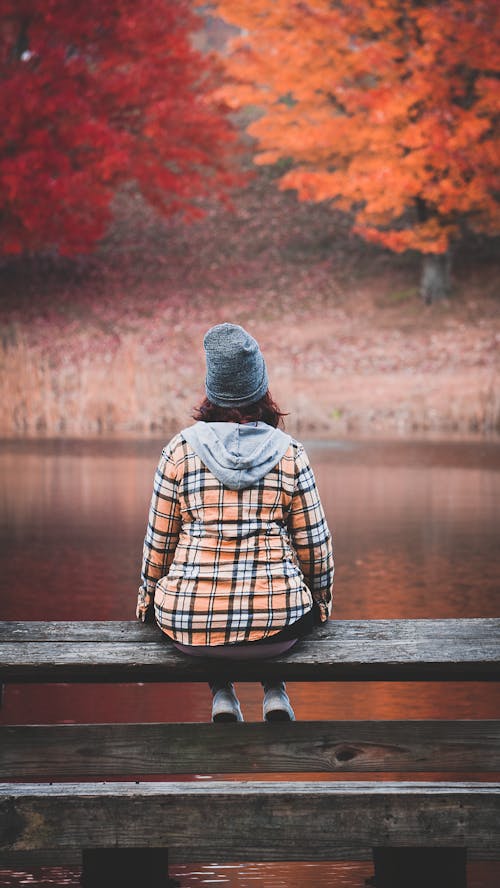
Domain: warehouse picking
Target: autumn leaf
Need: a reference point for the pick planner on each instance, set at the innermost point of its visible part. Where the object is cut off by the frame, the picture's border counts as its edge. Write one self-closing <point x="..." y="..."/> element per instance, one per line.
<point x="97" y="94"/>
<point x="386" y="109"/>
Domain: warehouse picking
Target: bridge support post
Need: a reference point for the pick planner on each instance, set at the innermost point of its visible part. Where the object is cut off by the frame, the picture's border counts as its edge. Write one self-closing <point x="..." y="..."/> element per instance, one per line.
<point x="420" y="867"/>
<point x="126" y="867"/>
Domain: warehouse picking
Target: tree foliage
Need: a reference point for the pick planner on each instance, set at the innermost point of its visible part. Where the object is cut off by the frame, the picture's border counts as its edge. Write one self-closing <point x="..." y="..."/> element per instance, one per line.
<point x="96" y="94"/>
<point x="386" y="106"/>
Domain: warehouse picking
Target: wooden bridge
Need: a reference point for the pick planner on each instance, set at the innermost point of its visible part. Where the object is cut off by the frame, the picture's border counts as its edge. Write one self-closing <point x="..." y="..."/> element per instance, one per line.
<point x="424" y="828"/>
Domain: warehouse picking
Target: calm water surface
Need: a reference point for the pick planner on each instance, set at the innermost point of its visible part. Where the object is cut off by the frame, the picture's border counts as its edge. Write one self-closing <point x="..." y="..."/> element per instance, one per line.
<point x="416" y="535"/>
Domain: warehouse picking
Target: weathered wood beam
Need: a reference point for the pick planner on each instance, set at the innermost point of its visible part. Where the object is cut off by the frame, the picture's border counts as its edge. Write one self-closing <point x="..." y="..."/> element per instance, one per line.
<point x="50" y="751"/>
<point x="27" y="859"/>
<point x="370" y="650"/>
<point x="250" y="821"/>
<point x="126" y="867"/>
<point x="132" y="631"/>
<point x="415" y="867"/>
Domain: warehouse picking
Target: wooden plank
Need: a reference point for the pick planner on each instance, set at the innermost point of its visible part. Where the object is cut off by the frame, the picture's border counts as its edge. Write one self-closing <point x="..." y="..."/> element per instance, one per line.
<point x="227" y="821"/>
<point x="132" y="631"/>
<point x="58" y="751"/>
<point x="27" y="859"/>
<point x="380" y="650"/>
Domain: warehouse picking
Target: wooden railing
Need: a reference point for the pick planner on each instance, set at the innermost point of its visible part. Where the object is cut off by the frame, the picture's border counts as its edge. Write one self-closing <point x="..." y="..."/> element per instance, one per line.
<point x="425" y="827"/>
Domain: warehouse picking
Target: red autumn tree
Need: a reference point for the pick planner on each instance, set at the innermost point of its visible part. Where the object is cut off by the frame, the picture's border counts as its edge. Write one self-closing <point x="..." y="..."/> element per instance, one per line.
<point x="96" y="94"/>
<point x="386" y="107"/>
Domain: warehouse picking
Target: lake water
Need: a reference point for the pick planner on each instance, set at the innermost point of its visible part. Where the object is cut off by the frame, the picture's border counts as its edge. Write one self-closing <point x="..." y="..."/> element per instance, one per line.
<point x="416" y="534"/>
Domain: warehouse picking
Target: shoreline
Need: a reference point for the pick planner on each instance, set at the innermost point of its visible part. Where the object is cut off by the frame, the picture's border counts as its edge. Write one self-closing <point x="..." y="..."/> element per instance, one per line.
<point x="473" y="454"/>
<point x="123" y="437"/>
<point x="113" y="345"/>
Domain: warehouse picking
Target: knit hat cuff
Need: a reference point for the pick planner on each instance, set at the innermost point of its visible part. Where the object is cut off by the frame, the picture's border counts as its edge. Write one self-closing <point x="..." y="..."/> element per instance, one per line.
<point x="222" y="399"/>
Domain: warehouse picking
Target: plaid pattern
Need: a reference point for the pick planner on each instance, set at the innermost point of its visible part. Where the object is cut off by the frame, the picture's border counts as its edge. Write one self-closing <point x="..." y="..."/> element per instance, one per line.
<point x="224" y="566"/>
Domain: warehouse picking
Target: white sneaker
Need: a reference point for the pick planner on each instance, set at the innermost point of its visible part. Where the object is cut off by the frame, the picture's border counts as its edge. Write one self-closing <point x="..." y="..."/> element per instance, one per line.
<point x="226" y="706"/>
<point x="276" y="705"/>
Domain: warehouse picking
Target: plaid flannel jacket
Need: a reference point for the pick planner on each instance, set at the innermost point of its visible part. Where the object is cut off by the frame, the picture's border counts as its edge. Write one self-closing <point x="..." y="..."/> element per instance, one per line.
<point x="225" y="566"/>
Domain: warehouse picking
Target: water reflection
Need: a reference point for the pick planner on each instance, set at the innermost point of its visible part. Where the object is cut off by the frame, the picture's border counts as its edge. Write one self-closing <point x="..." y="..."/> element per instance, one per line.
<point x="413" y="538"/>
<point x="416" y="535"/>
<point x="246" y="875"/>
<point x="288" y="875"/>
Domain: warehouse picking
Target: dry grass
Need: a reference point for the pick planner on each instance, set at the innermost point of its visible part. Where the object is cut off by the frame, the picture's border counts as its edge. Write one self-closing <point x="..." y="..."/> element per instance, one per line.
<point x="112" y="344"/>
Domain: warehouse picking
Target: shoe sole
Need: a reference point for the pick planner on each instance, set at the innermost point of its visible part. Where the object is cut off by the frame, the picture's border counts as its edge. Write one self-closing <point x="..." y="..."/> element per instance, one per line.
<point x="225" y="717"/>
<point x="277" y="715"/>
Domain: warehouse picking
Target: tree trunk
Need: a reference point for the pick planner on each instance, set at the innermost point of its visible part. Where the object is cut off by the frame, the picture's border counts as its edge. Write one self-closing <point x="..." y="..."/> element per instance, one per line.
<point x="435" y="280"/>
<point x="22" y="43"/>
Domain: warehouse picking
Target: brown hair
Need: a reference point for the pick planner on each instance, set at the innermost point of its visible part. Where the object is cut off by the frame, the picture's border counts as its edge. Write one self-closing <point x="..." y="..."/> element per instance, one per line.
<point x="264" y="410"/>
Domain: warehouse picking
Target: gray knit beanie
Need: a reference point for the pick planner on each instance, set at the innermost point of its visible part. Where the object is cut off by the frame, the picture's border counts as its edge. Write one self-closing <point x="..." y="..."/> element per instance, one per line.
<point x="236" y="370"/>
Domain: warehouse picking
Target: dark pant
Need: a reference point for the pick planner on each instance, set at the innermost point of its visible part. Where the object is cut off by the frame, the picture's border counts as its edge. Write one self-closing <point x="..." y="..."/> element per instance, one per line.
<point x="272" y="646"/>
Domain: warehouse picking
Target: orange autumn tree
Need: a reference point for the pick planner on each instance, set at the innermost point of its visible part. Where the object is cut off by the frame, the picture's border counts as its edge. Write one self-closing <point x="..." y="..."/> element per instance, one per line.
<point x="386" y="107"/>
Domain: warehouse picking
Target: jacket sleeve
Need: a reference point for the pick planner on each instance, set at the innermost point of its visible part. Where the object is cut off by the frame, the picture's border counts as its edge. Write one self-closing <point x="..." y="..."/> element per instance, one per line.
<point x="310" y="535"/>
<point x="162" y="534"/>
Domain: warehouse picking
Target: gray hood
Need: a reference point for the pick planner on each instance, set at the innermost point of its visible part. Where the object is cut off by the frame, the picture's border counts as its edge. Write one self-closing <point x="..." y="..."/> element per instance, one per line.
<point x="238" y="455"/>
